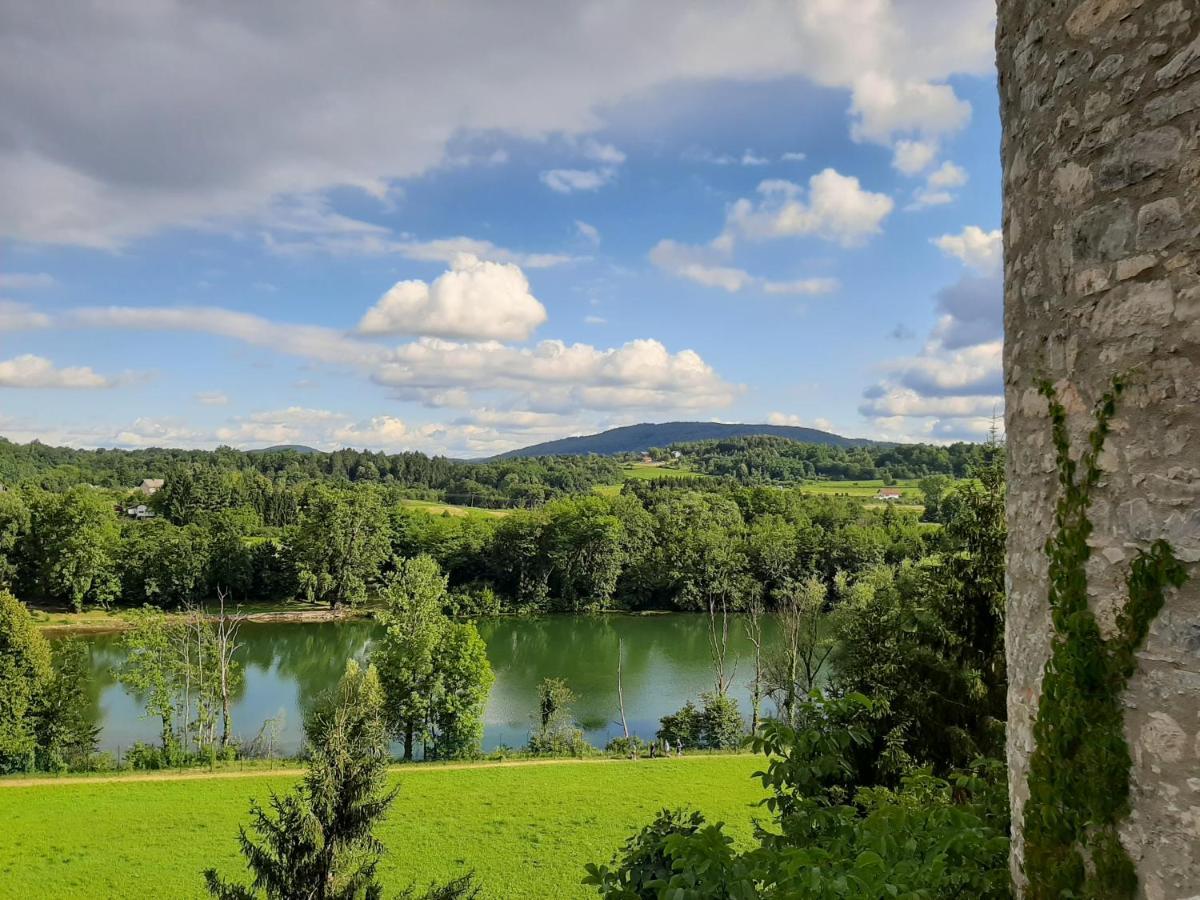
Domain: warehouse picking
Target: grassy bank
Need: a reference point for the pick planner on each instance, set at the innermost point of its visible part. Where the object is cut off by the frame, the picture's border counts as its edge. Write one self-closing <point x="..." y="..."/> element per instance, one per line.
<point x="526" y="829"/>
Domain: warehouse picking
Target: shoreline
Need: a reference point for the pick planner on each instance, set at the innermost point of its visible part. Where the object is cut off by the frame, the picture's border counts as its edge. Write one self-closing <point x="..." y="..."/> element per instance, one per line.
<point x="107" y="622"/>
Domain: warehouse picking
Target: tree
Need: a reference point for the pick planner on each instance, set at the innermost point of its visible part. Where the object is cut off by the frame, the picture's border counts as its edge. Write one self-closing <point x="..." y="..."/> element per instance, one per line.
<point x="163" y="565"/>
<point x="793" y="669"/>
<point x="413" y="621"/>
<point x="435" y="672"/>
<point x="25" y="673"/>
<point x="14" y="526"/>
<point x="228" y="670"/>
<point x="934" y="489"/>
<point x="463" y="681"/>
<point x="585" y="551"/>
<point x="340" y="545"/>
<point x="829" y="838"/>
<point x="319" y="842"/>
<point x="66" y="733"/>
<point x="557" y="733"/>
<point x="73" y="539"/>
<point x="150" y="668"/>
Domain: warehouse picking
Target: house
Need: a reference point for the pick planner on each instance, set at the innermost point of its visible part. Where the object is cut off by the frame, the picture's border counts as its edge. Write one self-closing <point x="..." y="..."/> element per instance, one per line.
<point x="889" y="494"/>
<point x="151" y="486"/>
<point x="677" y="454"/>
<point x="141" y="511"/>
<point x="647" y="459"/>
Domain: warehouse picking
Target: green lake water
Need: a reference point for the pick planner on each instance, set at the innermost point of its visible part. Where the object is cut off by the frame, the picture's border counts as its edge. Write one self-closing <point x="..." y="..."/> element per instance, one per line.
<point x="666" y="662"/>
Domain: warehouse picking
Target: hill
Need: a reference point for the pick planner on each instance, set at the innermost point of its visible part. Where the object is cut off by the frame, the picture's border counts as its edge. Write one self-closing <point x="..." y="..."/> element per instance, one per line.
<point x="635" y="438"/>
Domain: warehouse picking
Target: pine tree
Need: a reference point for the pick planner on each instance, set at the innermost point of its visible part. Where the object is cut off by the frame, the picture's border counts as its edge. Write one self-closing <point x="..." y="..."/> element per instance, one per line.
<point x="317" y="843"/>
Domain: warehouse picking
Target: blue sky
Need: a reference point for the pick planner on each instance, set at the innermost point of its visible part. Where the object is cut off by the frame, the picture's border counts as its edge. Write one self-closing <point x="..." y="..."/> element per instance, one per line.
<point x="463" y="230"/>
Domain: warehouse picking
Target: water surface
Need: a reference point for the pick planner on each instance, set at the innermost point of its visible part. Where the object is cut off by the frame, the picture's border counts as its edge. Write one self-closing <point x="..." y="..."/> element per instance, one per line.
<point x="666" y="662"/>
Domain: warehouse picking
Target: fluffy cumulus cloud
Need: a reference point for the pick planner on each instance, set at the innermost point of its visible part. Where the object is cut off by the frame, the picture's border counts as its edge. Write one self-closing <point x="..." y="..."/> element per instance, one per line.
<point x="953" y="388"/>
<point x="939" y="186"/>
<point x="835" y="207"/>
<point x="979" y="249"/>
<point x="93" y="152"/>
<point x="884" y="107"/>
<point x="548" y="376"/>
<point x="29" y="371"/>
<point x="912" y="157"/>
<point x="474" y="299"/>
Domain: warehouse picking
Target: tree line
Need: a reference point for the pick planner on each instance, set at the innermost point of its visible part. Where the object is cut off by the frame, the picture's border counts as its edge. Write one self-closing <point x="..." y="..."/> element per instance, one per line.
<point x="765" y="459"/>
<point x="666" y="544"/>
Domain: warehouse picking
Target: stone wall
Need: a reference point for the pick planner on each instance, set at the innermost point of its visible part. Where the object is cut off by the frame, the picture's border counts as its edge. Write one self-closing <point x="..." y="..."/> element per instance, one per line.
<point x="1101" y="108"/>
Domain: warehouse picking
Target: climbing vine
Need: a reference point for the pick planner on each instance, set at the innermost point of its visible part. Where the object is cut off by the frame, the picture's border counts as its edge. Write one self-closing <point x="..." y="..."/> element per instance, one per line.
<point x="1079" y="769"/>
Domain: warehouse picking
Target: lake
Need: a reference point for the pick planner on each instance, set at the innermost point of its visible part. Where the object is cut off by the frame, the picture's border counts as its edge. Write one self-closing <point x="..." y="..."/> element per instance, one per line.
<point x="666" y="663"/>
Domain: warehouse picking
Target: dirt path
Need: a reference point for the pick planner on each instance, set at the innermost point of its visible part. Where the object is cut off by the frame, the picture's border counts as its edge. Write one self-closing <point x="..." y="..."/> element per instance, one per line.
<point x="201" y="774"/>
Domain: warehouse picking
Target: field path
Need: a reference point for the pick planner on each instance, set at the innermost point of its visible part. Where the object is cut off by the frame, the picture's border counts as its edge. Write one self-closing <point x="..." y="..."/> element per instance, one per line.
<point x="203" y="774"/>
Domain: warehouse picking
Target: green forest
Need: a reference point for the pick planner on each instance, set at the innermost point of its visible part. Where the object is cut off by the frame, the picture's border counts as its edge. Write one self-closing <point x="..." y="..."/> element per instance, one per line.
<point x="877" y="710"/>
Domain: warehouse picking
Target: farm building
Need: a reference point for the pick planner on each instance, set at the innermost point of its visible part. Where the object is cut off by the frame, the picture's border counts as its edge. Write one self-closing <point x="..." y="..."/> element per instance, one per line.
<point x="890" y="494"/>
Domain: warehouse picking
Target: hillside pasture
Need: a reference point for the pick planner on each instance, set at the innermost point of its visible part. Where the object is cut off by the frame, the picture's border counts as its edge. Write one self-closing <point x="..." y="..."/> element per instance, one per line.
<point x="526" y="830"/>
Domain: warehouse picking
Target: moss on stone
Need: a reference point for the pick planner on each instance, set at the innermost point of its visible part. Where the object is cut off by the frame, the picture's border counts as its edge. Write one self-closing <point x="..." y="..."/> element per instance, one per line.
<point x="1079" y="769"/>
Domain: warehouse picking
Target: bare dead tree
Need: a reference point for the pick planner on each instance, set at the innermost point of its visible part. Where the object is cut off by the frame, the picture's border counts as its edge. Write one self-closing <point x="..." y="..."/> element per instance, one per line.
<point x="753" y="625"/>
<point x="620" y="689"/>
<point x="718" y="641"/>
<point x="226" y="646"/>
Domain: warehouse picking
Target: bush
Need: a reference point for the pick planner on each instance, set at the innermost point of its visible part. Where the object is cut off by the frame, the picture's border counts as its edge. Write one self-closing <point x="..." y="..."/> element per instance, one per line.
<point x="682" y="729"/>
<point x="645" y="864"/>
<point x="717" y="725"/>
<point x="721" y="725"/>
<point x="632" y="746"/>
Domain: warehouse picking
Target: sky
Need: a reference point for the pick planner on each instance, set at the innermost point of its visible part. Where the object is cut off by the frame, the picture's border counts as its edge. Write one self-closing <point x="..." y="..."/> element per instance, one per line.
<point x="462" y="228"/>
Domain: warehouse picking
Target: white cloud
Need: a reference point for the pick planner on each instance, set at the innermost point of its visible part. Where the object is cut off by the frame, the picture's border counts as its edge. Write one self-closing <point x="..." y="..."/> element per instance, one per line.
<point x="29" y="371"/>
<point x="939" y="186"/>
<point x="19" y="281"/>
<point x="778" y="418"/>
<point x="447" y="249"/>
<point x="793" y="156"/>
<point x="589" y="233"/>
<point x="912" y="157"/>
<point x="884" y="107"/>
<point x="750" y="158"/>
<point x="314" y="342"/>
<point x="21" y="317"/>
<point x="837" y="209"/>
<point x="212" y="398"/>
<point x="802" y="286"/>
<point x="550" y="375"/>
<point x="979" y="249"/>
<point x="702" y="265"/>
<point x="699" y="264"/>
<point x="595" y="320"/>
<point x="568" y="181"/>
<point x="108" y="155"/>
<point x="474" y="299"/>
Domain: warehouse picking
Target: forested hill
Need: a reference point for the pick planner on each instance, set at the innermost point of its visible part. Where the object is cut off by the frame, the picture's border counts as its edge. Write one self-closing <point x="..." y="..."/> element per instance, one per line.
<point x="637" y="438"/>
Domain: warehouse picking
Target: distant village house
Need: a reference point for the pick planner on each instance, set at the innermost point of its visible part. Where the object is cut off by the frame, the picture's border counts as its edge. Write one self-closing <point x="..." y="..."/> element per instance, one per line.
<point x="150" y="486"/>
<point x="141" y="511"/>
<point x="889" y="494"/>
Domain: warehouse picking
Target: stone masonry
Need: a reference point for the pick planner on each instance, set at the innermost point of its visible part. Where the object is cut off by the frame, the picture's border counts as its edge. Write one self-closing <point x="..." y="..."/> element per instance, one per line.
<point x="1100" y="102"/>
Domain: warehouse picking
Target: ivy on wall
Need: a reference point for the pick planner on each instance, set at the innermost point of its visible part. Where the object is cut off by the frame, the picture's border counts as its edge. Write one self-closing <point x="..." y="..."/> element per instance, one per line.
<point x="1079" y="769"/>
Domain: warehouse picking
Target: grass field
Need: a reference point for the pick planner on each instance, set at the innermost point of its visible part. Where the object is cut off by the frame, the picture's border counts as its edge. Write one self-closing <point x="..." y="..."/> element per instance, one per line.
<point x="649" y="472"/>
<point x="861" y="489"/>
<point x="437" y="508"/>
<point x="526" y="830"/>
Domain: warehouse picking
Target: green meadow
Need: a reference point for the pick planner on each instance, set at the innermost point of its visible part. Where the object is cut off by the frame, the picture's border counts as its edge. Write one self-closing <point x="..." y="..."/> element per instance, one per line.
<point x="527" y="830"/>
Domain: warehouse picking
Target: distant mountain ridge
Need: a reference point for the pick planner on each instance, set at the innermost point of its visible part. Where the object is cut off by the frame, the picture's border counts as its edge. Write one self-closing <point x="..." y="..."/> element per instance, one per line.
<point x="636" y="438"/>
